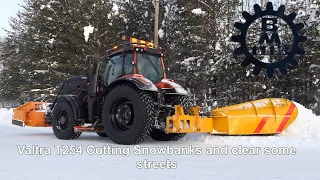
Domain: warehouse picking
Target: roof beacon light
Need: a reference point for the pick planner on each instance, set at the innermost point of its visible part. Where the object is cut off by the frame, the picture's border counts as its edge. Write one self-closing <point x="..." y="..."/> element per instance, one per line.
<point x="142" y="42"/>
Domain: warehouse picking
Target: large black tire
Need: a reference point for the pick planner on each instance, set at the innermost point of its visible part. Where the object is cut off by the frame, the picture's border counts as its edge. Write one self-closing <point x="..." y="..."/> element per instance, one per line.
<point x="63" y="121"/>
<point x="102" y="134"/>
<point x="160" y="135"/>
<point x="135" y="118"/>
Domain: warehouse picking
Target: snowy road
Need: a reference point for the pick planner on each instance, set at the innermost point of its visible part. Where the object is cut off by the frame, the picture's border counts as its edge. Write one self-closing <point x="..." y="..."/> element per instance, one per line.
<point x="195" y="157"/>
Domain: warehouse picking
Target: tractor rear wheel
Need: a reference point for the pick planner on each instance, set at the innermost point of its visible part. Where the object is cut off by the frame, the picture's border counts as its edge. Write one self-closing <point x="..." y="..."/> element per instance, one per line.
<point x="63" y="121"/>
<point x="161" y="135"/>
<point x="128" y="114"/>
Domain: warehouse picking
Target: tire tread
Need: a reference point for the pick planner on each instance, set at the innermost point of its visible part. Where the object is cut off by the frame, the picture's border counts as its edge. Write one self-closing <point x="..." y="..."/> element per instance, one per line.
<point x="148" y="109"/>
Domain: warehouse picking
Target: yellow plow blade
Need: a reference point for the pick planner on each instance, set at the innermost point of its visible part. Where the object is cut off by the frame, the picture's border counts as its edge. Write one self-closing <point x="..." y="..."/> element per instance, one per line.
<point x="29" y="114"/>
<point x="264" y="116"/>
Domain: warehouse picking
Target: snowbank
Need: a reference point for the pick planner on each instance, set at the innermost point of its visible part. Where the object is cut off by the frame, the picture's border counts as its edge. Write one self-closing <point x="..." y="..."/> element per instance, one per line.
<point x="307" y="124"/>
<point x="5" y="117"/>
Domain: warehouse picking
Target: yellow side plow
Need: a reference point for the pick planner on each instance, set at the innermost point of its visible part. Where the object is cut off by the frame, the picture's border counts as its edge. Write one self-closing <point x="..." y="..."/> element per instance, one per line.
<point x="265" y="116"/>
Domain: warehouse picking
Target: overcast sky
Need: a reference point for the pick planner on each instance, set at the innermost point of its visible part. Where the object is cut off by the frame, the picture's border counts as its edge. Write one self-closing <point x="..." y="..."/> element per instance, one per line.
<point x="7" y="8"/>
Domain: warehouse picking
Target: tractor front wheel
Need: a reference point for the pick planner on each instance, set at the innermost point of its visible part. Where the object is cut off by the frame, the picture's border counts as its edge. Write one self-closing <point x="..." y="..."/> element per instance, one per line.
<point x="161" y="135"/>
<point x="128" y="114"/>
<point x="63" y="121"/>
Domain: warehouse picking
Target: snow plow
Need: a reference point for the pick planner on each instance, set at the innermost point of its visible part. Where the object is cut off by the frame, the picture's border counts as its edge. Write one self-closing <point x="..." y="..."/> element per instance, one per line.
<point x="134" y="100"/>
<point x="265" y="116"/>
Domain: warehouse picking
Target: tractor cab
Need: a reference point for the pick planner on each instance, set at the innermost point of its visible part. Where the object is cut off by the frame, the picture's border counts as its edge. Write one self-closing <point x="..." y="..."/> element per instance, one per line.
<point x="136" y="58"/>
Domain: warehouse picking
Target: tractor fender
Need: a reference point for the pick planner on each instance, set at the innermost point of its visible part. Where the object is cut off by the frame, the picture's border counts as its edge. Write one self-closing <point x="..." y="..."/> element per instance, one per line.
<point x="72" y="84"/>
<point x="139" y="81"/>
<point x="77" y="105"/>
<point x="170" y="87"/>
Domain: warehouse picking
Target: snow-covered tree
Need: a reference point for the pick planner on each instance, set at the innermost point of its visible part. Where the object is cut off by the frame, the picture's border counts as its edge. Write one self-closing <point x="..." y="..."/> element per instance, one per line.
<point x="51" y="39"/>
<point x="54" y="37"/>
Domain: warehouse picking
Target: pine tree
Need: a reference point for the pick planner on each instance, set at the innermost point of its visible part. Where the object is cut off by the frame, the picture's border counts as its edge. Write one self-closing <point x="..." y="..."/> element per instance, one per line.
<point x="15" y="65"/>
<point x="138" y="17"/>
<point x="47" y="46"/>
<point x="196" y="34"/>
<point x="54" y="39"/>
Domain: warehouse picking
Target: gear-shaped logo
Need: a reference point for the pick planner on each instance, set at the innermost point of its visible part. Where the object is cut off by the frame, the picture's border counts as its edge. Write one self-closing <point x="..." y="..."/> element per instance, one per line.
<point x="269" y="25"/>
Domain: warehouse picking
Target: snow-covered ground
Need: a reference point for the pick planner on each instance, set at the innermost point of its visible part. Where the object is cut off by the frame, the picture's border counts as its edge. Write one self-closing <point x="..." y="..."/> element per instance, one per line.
<point x="198" y="156"/>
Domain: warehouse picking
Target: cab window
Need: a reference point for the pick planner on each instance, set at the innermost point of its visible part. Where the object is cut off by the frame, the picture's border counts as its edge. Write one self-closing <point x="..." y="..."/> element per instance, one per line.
<point x="114" y="67"/>
<point x="128" y="67"/>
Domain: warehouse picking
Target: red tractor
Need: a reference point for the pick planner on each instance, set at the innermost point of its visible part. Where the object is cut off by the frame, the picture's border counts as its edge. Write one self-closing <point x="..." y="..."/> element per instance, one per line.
<point x="128" y="103"/>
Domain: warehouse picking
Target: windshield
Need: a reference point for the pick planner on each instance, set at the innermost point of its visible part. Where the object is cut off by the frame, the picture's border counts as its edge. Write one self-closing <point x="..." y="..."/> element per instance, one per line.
<point x="150" y="66"/>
